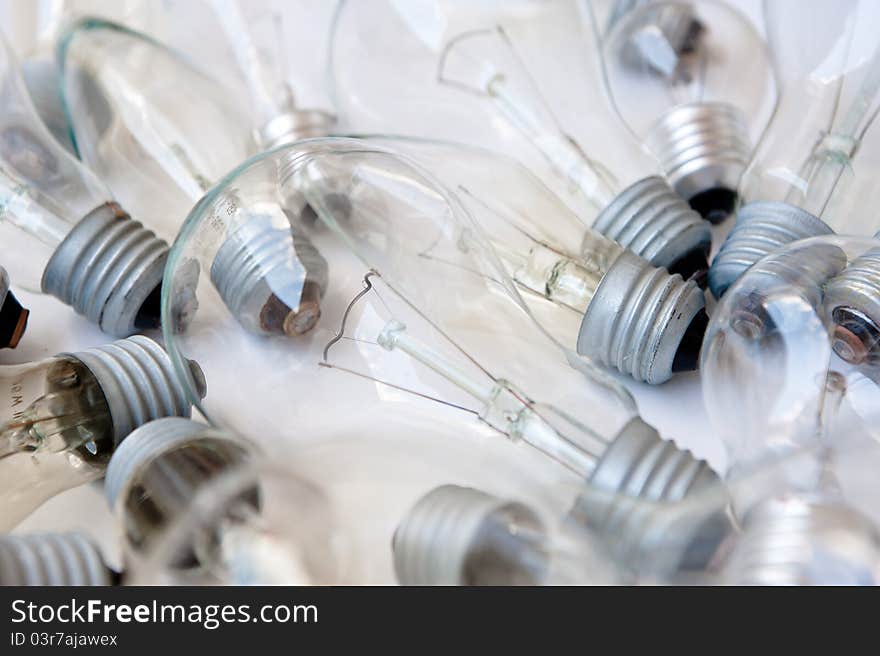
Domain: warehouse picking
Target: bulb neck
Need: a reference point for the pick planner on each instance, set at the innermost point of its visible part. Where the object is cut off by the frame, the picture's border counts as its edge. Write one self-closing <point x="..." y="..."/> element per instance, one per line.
<point x="138" y="381"/>
<point x="271" y="278"/>
<point x="51" y="559"/>
<point x="109" y="268"/>
<point x="446" y="539"/>
<point x="852" y="300"/>
<point x="643" y="321"/>
<point x="293" y="126"/>
<point x="652" y="221"/>
<point x="761" y="228"/>
<point x="703" y="150"/>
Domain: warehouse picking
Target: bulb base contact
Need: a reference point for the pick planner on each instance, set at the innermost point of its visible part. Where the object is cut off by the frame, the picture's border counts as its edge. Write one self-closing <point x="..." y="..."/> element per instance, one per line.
<point x="643" y="321"/>
<point x="109" y="268"/>
<point x="447" y="538"/>
<point x="761" y="228"/>
<point x="13" y="317"/>
<point x="703" y="149"/>
<point x="271" y="278"/>
<point x="852" y="300"/>
<point x="139" y="383"/>
<point x="51" y="559"/>
<point x="652" y="221"/>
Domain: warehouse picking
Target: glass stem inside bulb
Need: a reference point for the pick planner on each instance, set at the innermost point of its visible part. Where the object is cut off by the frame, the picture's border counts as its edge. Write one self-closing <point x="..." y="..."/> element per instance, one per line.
<point x="503" y="407"/>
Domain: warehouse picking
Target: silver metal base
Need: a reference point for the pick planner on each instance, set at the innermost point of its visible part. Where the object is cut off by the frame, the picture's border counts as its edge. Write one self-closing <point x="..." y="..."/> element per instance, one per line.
<point x="147" y="442"/>
<point x="761" y="228"/>
<point x="440" y="534"/>
<point x="271" y="278"/>
<point x="139" y="382"/>
<point x="654" y="222"/>
<point x="293" y="126"/>
<point x="51" y="559"/>
<point x="853" y="297"/>
<point x="106" y="268"/>
<point x="638" y="318"/>
<point x="803" y="542"/>
<point x="702" y="147"/>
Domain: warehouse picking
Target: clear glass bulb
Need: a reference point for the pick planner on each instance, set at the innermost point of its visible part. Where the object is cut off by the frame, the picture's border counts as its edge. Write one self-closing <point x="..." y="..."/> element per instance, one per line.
<point x="63" y="416"/>
<point x="332" y="516"/>
<point x="64" y="234"/>
<point x="158" y="131"/>
<point x="813" y="173"/>
<point x="420" y="312"/>
<point x="785" y="357"/>
<point x="693" y="82"/>
<point x="485" y="74"/>
<point x="258" y="44"/>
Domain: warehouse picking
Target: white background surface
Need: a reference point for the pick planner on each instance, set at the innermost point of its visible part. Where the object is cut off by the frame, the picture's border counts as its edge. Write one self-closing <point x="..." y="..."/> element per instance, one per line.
<point x="675" y="408"/>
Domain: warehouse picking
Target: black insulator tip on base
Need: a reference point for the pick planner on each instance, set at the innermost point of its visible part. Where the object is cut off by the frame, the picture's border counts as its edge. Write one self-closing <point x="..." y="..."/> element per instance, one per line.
<point x="150" y="314"/>
<point x="687" y="357"/>
<point x="693" y="265"/>
<point x="13" y="321"/>
<point x="715" y="204"/>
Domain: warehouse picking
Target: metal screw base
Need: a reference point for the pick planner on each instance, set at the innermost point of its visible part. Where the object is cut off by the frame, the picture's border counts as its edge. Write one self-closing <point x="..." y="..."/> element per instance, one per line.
<point x="438" y="536"/>
<point x="138" y="381"/>
<point x="703" y="149"/>
<point x="271" y="278"/>
<point x="761" y="228"/>
<point x="51" y="559"/>
<point x="639" y="319"/>
<point x="803" y="542"/>
<point x="852" y="300"/>
<point x="148" y="441"/>
<point x="106" y="269"/>
<point x="652" y="221"/>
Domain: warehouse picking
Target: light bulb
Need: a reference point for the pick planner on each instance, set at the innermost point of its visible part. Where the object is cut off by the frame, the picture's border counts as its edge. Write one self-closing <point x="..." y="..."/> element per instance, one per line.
<point x="52" y="559"/>
<point x="499" y="76"/>
<point x="327" y="517"/>
<point x="63" y="416"/>
<point x="64" y="233"/>
<point x="278" y="116"/>
<point x="777" y="372"/>
<point x="458" y="535"/>
<point x="161" y="133"/>
<point x="13" y="317"/>
<point x="420" y="313"/>
<point x="812" y="173"/>
<point x="693" y="82"/>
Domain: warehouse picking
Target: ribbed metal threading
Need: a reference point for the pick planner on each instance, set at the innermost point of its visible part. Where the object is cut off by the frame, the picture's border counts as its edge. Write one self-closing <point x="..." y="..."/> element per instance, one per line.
<point x="271" y="278"/>
<point x="51" y="559"/>
<point x="142" y="446"/>
<point x="638" y="318"/>
<point x="440" y="534"/>
<point x="654" y="222"/>
<point x="761" y="228"/>
<point x="701" y="146"/>
<point x="857" y="288"/>
<point x="139" y="382"/>
<point x="106" y="269"/>
<point x="801" y="542"/>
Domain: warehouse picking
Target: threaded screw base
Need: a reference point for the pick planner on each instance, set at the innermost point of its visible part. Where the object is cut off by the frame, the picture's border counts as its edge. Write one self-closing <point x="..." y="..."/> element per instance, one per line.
<point x="652" y="221"/>
<point x="138" y="381"/>
<point x="108" y="268"/>
<point x="51" y="559"/>
<point x="761" y="228"/>
<point x="703" y="149"/>
<point x="640" y="319"/>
